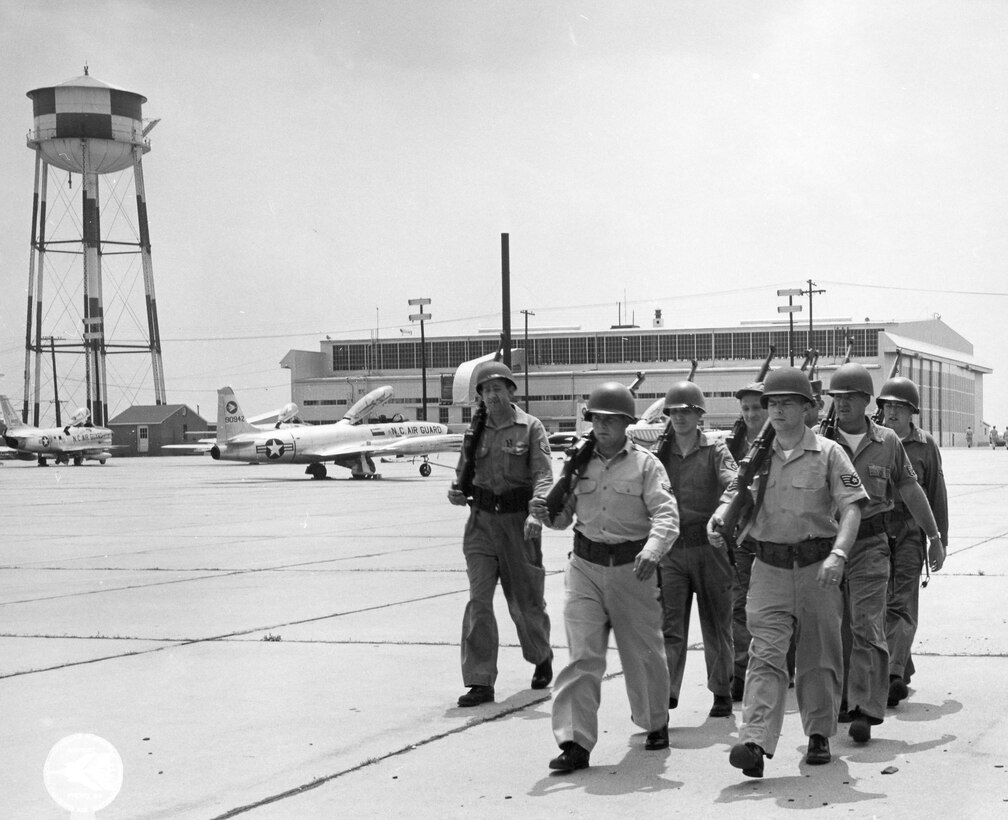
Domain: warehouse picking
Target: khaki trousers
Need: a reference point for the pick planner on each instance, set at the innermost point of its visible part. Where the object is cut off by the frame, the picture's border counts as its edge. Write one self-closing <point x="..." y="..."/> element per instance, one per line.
<point x="600" y="599"/>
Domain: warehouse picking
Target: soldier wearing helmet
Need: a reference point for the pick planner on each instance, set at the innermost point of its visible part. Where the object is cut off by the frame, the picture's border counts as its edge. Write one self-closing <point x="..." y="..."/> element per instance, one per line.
<point x="700" y="469"/>
<point x="899" y="400"/>
<point x="886" y="473"/>
<point x="625" y="519"/>
<point x="805" y="517"/>
<point x="512" y="461"/>
<point x="747" y="427"/>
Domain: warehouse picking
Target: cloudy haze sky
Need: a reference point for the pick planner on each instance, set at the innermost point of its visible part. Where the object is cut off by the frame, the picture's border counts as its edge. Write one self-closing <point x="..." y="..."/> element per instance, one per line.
<point x="318" y="164"/>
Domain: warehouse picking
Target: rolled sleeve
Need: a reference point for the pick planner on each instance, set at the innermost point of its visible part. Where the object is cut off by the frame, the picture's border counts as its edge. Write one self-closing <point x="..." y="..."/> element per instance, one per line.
<point x="540" y="459"/>
<point x="661" y="506"/>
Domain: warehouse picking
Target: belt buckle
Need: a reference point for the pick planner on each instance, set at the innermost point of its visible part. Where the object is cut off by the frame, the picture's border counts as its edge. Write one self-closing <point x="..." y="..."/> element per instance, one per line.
<point x="496" y="507"/>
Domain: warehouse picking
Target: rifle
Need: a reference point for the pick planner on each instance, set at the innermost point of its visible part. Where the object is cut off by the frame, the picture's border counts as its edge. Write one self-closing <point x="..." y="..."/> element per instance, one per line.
<point x="469" y="442"/>
<point x="576" y="458"/>
<point x="828" y="426"/>
<point x="664" y="442"/>
<point x="742" y="507"/>
<point x="807" y="362"/>
<point x="739" y="429"/>
<point x="879" y="416"/>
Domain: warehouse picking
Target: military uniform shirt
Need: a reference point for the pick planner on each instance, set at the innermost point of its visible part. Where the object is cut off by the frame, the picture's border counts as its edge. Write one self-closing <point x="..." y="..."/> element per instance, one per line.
<point x="925" y="458"/>
<point x="882" y="464"/>
<point x="701" y="478"/>
<point x="515" y="455"/>
<point x="804" y="491"/>
<point x="624" y="498"/>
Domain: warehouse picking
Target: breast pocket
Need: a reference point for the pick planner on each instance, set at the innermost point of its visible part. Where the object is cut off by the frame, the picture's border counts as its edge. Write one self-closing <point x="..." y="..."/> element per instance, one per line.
<point x="585" y="486"/>
<point x="805" y="492"/>
<point x="516" y="457"/>
<point x="630" y="488"/>
<point x="877" y="484"/>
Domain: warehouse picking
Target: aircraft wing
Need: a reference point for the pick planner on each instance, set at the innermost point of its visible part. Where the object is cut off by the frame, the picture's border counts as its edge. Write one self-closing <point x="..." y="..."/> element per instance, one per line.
<point x="195" y="447"/>
<point x="408" y="446"/>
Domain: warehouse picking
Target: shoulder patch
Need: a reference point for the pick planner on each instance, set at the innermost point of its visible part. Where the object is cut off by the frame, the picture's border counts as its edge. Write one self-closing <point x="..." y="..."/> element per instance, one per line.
<point x="850" y="479"/>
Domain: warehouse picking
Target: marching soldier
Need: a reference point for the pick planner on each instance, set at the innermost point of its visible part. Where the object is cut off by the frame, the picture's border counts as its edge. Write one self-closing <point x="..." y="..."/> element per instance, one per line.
<point x="884" y="469"/>
<point x="754" y="416"/>
<point x="700" y="469"/>
<point x="625" y="521"/>
<point x="899" y="399"/>
<point x="806" y="515"/>
<point x="512" y="461"/>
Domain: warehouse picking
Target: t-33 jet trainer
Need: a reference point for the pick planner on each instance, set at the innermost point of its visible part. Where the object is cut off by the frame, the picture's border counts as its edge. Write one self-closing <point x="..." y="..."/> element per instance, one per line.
<point x="77" y="440"/>
<point x="350" y="442"/>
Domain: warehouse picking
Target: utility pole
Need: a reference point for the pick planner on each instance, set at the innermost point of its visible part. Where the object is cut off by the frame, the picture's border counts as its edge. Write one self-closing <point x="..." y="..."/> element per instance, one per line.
<point x="810" y="291"/>
<point x="790" y="309"/>
<point x="55" y="381"/>
<point x="506" y="298"/>
<point x="423" y="352"/>
<point x="527" y="358"/>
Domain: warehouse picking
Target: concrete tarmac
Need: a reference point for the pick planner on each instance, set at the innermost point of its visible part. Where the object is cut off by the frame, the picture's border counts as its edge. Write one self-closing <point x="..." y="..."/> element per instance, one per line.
<point x="249" y="642"/>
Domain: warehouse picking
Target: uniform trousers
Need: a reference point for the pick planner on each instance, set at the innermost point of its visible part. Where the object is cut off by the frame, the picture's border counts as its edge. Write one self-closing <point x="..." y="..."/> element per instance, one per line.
<point x="600" y="599"/>
<point x="783" y="602"/>
<point x="495" y="548"/>
<point x="740" y="592"/>
<point x="866" y="653"/>
<point x="702" y="570"/>
<point x="904" y="597"/>
<point x="744" y="558"/>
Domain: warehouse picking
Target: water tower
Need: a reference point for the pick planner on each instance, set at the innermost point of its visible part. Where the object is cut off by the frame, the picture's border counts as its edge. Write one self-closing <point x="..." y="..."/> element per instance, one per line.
<point x="88" y="128"/>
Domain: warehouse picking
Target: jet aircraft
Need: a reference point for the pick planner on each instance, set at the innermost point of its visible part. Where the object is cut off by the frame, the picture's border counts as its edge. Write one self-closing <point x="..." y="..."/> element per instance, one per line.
<point x="77" y="440"/>
<point x="348" y="443"/>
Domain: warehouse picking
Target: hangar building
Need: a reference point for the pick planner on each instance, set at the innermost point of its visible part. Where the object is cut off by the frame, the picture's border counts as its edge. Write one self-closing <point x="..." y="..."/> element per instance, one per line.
<point x="563" y="368"/>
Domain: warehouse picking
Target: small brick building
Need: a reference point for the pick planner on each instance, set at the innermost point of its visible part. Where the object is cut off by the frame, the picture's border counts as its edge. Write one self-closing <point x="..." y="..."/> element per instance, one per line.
<point x="144" y="429"/>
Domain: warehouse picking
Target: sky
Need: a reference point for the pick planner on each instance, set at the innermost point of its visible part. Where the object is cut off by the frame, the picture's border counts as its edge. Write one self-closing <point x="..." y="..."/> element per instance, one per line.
<point x="318" y="164"/>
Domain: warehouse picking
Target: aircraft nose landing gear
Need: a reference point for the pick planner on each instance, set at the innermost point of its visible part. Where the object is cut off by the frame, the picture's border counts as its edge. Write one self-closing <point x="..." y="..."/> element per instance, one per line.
<point x="425" y="469"/>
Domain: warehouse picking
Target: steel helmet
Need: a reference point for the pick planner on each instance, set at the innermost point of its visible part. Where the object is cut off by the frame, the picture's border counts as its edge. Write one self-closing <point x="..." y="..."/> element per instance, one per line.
<point x="685" y="394"/>
<point x="756" y="389"/>
<point x="611" y="399"/>
<point x="493" y="370"/>
<point x="851" y="378"/>
<point x="786" y="381"/>
<point x="901" y="389"/>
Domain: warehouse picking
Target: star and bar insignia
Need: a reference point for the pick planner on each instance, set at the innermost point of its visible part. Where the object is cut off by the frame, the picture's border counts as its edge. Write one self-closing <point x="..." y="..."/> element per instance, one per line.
<point x="273" y="449"/>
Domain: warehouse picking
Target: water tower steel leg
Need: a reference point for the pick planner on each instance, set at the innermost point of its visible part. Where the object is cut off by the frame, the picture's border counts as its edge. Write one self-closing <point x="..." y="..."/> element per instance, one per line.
<point x="94" y="324"/>
<point x="39" y="281"/>
<point x="153" y="331"/>
<point x="31" y="286"/>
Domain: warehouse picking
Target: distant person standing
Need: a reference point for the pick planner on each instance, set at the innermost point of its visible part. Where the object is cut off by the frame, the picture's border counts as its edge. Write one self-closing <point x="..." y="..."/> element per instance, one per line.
<point x="625" y="519"/>
<point x="899" y="399"/>
<point x="885" y="471"/>
<point x="511" y="461"/>
<point x="993" y="437"/>
<point x="700" y="469"/>
<point x="969" y="436"/>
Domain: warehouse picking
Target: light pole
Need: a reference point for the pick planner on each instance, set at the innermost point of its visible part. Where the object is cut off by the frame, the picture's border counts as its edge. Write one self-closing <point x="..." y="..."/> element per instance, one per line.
<point x="810" y="291"/>
<point x="421" y="316"/>
<point x="791" y="309"/>
<point x="527" y="357"/>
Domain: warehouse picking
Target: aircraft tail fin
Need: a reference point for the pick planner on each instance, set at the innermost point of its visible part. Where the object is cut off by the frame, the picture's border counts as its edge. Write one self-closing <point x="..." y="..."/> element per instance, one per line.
<point x="11" y="418"/>
<point x="230" y="419"/>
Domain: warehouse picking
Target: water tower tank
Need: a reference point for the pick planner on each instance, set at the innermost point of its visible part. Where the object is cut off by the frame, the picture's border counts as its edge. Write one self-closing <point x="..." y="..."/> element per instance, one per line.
<point x="87" y="109"/>
<point x="87" y="127"/>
